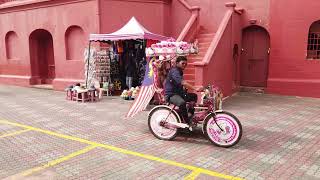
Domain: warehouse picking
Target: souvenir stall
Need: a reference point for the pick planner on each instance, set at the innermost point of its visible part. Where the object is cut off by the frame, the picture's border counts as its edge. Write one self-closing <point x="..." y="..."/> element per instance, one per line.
<point x="121" y="64"/>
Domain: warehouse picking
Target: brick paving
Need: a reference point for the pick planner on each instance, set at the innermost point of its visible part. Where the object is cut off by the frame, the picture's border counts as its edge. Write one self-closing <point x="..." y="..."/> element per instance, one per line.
<point x="281" y="139"/>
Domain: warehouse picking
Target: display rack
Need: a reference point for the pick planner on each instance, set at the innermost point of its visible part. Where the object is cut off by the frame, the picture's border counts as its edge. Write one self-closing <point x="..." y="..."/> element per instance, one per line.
<point x="98" y="67"/>
<point x="102" y="66"/>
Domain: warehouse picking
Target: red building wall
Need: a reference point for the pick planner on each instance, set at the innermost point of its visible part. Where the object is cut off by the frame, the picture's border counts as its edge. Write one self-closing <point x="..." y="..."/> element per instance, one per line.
<point x="223" y="69"/>
<point x="212" y="12"/>
<point x="222" y="61"/>
<point x="153" y="15"/>
<point x="290" y="72"/>
<point x="20" y="19"/>
<point x="23" y="18"/>
<point x="179" y="16"/>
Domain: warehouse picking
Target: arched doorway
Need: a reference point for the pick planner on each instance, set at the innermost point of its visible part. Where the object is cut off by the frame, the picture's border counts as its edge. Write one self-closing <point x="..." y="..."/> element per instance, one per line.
<point x="254" y="57"/>
<point x="42" y="57"/>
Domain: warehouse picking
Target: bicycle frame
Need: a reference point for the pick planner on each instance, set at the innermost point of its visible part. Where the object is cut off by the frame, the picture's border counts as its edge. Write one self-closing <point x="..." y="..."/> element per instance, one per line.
<point x="201" y="112"/>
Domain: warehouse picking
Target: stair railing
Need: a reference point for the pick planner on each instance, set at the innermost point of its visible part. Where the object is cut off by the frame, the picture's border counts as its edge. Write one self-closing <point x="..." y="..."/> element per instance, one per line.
<point x="192" y="26"/>
<point x="215" y="41"/>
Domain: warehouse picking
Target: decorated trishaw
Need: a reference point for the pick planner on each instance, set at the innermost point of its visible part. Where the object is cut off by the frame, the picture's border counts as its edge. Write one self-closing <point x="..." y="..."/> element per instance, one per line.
<point x="221" y="127"/>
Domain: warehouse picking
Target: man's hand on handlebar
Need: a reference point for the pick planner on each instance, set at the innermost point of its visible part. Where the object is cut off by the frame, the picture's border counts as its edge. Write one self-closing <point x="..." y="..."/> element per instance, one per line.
<point x="199" y="89"/>
<point x="189" y="86"/>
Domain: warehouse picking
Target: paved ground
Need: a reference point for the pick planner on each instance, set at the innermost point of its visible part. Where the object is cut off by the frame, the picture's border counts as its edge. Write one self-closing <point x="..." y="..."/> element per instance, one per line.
<point x="44" y="136"/>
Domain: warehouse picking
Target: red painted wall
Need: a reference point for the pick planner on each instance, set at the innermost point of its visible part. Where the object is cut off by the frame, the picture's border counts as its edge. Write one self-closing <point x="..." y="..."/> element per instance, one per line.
<point x="153" y="15"/>
<point x="289" y="70"/>
<point x="54" y="17"/>
<point x="179" y="17"/>
<point x="222" y="66"/>
<point x="103" y="16"/>
<point x="212" y="12"/>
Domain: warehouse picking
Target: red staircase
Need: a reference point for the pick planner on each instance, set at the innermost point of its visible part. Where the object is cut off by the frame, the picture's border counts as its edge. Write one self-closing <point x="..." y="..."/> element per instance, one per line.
<point x="204" y="39"/>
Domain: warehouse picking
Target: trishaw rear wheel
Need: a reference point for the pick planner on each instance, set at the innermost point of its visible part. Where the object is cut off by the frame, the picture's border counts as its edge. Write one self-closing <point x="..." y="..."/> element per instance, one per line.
<point x="158" y="116"/>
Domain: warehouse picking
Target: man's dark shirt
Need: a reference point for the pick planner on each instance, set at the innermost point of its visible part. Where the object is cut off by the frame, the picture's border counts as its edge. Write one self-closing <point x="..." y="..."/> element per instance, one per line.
<point x="173" y="82"/>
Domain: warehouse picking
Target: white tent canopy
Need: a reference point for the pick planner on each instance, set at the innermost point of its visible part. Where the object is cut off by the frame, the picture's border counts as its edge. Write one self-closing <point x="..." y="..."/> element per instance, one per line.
<point x="132" y="30"/>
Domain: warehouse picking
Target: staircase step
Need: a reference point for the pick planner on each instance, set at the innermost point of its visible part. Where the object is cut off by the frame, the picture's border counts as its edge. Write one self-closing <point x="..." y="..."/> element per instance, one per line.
<point x="204" y="30"/>
<point x="188" y="76"/>
<point x="201" y="53"/>
<point x="200" y="44"/>
<point x="195" y="57"/>
<point x="191" y="61"/>
<point x="192" y="82"/>
<point x="205" y="35"/>
<point x="204" y="44"/>
<point x="189" y="70"/>
<point x="203" y="48"/>
<point x="205" y="39"/>
<point x="252" y="89"/>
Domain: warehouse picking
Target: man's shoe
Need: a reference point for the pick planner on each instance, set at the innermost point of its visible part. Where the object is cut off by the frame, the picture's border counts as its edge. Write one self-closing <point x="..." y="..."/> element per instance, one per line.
<point x="185" y="130"/>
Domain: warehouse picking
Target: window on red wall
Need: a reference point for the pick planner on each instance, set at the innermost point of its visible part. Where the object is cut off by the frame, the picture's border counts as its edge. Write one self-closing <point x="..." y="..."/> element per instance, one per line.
<point x="12" y="42"/>
<point x="74" y="40"/>
<point x="313" y="49"/>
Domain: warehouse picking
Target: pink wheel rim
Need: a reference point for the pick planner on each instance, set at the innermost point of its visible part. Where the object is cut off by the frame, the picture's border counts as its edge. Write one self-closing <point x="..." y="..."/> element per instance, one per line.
<point x="231" y="130"/>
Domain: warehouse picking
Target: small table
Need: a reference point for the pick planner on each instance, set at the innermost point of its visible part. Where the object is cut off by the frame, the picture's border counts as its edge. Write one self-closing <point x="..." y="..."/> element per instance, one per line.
<point x="82" y="95"/>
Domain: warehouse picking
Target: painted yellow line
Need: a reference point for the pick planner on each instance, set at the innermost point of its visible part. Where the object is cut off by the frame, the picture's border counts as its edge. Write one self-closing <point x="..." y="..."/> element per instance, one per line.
<point x="14" y="133"/>
<point x="57" y="161"/>
<point x="193" y="175"/>
<point x="124" y="151"/>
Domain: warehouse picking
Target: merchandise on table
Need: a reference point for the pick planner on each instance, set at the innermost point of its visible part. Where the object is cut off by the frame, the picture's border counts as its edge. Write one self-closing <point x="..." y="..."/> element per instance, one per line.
<point x="130" y="94"/>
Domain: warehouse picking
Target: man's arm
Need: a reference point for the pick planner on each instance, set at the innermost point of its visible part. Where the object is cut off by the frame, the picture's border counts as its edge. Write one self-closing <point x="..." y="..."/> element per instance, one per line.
<point x="178" y="79"/>
<point x="175" y="77"/>
<point x="189" y="86"/>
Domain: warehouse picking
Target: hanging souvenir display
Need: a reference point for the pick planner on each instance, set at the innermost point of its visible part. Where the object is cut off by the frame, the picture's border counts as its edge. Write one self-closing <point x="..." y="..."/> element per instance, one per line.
<point x="90" y="69"/>
<point x="102" y="66"/>
<point x="97" y="66"/>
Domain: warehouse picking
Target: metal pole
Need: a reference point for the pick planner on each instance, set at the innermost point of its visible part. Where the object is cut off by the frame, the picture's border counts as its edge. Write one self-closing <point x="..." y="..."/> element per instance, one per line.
<point x="88" y="65"/>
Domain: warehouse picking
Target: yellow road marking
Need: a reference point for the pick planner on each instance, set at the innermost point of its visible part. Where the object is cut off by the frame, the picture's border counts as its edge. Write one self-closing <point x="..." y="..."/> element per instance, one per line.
<point x="193" y="175"/>
<point x="124" y="151"/>
<point x="14" y="133"/>
<point x="57" y="161"/>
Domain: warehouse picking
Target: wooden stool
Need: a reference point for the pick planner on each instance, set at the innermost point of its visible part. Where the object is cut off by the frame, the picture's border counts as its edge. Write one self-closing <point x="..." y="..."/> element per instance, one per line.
<point x="69" y="94"/>
<point x="92" y="95"/>
<point x="82" y="96"/>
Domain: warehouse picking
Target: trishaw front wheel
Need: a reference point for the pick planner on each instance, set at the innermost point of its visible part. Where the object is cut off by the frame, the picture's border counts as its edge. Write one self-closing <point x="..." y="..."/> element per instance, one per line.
<point x="223" y="129"/>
